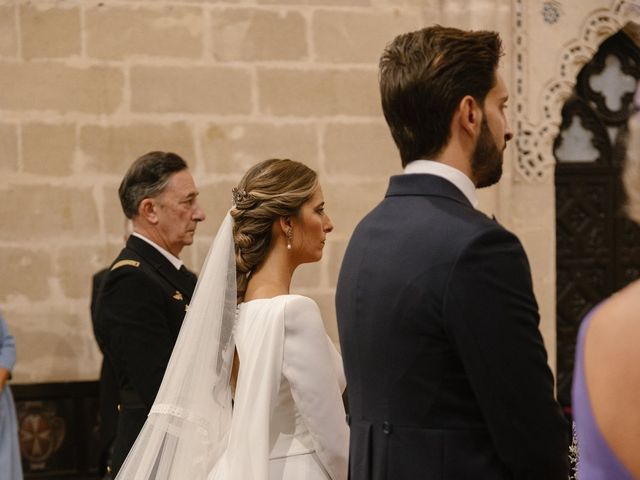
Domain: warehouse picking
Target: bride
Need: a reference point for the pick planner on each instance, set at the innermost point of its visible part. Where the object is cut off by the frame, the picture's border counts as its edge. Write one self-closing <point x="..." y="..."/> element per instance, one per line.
<point x="253" y="387"/>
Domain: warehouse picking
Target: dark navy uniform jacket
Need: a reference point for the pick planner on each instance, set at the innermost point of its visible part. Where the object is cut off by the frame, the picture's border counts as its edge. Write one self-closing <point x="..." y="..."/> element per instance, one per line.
<point x="139" y="311"/>
<point x="108" y="400"/>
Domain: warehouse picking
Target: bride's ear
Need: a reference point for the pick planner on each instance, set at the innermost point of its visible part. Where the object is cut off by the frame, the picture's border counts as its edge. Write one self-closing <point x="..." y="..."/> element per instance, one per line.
<point x="284" y="224"/>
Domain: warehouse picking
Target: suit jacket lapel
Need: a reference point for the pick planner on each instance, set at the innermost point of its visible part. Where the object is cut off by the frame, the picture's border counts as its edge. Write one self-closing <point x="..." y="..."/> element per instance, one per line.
<point x="185" y="284"/>
<point x="425" y="185"/>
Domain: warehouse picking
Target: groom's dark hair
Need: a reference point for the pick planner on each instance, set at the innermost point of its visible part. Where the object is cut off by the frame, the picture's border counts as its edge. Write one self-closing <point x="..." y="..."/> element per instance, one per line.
<point x="423" y="77"/>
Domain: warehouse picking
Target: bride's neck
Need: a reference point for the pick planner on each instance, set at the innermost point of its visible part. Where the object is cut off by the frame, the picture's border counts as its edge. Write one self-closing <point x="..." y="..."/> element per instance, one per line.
<point x="272" y="277"/>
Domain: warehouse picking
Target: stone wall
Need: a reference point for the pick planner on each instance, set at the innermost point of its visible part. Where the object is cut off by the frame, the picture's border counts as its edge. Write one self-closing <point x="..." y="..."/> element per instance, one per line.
<point x="87" y="86"/>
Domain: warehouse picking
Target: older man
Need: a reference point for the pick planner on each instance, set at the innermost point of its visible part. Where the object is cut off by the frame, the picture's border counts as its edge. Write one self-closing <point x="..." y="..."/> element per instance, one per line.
<point x="147" y="290"/>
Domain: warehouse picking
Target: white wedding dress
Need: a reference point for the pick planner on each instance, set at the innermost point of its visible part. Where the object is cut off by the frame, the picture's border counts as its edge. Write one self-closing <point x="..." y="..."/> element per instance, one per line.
<point x="288" y="419"/>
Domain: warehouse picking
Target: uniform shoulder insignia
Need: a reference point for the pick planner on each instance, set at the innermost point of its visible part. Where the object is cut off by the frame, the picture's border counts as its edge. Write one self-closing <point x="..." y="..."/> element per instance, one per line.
<point x="122" y="263"/>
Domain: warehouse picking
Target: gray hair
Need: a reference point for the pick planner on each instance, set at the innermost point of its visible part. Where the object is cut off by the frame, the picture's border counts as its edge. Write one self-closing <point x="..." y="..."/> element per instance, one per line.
<point x="147" y="177"/>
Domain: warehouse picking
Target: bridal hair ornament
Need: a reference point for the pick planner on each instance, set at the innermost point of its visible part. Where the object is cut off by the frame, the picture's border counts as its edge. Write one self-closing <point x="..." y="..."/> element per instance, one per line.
<point x="187" y="429"/>
<point x="239" y="195"/>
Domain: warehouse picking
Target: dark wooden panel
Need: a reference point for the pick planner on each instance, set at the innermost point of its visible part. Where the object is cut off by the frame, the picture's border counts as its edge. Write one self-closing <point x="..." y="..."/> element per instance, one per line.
<point x="57" y="423"/>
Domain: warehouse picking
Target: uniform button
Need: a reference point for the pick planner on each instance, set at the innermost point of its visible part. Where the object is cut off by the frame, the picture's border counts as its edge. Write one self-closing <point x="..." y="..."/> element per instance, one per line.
<point x="119" y="407"/>
<point x="386" y="428"/>
<point x="348" y="419"/>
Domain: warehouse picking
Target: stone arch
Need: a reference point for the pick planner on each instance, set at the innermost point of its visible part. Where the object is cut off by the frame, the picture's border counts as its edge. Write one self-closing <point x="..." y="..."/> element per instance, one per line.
<point x="534" y="140"/>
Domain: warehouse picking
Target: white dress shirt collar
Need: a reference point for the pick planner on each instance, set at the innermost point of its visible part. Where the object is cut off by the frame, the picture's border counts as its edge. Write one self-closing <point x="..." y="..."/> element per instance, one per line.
<point x="175" y="261"/>
<point x="455" y="176"/>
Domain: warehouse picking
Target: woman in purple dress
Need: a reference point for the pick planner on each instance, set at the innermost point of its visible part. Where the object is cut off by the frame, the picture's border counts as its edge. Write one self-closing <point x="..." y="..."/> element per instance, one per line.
<point x="606" y="385"/>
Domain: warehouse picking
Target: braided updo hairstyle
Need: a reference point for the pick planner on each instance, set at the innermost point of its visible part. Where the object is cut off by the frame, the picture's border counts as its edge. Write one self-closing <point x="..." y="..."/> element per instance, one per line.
<point x="269" y="190"/>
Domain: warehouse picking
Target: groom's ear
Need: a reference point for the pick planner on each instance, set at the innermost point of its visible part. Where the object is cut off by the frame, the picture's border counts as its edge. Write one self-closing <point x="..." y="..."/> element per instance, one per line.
<point x="470" y="116"/>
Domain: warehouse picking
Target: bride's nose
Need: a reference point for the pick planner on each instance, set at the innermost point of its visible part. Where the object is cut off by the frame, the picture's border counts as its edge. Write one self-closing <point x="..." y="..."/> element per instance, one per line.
<point x="328" y="225"/>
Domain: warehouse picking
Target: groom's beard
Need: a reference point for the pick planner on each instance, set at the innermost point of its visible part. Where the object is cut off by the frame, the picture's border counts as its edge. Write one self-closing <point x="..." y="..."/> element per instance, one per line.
<point x="486" y="161"/>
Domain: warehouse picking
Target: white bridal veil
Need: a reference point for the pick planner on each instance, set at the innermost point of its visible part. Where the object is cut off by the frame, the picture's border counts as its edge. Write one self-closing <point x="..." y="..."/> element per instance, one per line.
<point x="187" y="428"/>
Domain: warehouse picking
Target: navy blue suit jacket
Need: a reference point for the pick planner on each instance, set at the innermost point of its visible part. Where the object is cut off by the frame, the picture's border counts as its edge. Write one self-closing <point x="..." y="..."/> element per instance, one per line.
<point x="446" y="368"/>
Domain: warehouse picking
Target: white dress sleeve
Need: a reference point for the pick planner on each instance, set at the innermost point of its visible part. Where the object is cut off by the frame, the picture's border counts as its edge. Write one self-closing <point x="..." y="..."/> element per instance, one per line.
<point x="309" y="365"/>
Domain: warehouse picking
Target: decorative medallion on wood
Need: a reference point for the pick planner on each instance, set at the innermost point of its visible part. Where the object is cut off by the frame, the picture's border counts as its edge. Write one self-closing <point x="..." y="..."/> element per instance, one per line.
<point x="41" y="432"/>
<point x="57" y="430"/>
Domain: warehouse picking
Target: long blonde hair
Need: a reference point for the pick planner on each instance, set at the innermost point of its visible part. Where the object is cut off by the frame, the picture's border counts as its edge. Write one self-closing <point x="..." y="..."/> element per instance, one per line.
<point x="269" y="190"/>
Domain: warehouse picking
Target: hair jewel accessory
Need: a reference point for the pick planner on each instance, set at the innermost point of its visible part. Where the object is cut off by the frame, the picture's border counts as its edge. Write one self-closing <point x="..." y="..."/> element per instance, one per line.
<point x="239" y="195"/>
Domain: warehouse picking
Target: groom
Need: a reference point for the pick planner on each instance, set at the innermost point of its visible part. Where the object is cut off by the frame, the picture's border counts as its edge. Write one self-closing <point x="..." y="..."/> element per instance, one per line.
<point x="446" y="367"/>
